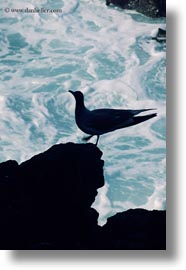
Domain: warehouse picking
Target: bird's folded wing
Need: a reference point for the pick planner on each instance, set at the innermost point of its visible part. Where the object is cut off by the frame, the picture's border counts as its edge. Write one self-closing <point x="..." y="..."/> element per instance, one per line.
<point x="108" y="119"/>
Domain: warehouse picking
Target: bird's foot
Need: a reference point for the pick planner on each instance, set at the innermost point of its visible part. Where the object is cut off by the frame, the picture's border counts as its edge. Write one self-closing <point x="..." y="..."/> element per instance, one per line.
<point x="86" y="139"/>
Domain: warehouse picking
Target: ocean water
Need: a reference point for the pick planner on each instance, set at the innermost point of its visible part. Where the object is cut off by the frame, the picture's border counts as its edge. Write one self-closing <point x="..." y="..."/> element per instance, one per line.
<point x="109" y="55"/>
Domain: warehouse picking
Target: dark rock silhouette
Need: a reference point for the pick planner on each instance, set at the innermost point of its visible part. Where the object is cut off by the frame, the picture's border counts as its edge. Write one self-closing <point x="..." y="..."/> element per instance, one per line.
<point x="160" y="36"/>
<point x="150" y="8"/>
<point x="136" y="229"/>
<point x="45" y="203"/>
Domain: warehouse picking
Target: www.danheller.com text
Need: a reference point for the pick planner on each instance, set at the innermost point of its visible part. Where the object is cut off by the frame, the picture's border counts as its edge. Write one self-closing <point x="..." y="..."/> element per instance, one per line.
<point x="32" y="10"/>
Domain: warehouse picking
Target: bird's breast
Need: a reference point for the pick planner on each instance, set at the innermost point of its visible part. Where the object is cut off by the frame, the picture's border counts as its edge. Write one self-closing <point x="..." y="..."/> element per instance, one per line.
<point x="84" y="122"/>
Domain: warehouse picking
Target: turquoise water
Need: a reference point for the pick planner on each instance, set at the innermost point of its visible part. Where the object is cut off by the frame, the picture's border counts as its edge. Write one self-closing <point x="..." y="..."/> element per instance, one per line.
<point x="108" y="54"/>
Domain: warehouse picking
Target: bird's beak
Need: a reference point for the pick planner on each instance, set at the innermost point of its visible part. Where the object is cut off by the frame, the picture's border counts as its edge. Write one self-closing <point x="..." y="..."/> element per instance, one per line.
<point x="71" y="92"/>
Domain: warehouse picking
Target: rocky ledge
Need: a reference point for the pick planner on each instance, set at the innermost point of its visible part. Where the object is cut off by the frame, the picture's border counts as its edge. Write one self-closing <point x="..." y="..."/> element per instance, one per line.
<point x="150" y="8"/>
<point x="45" y="203"/>
<point x="160" y="36"/>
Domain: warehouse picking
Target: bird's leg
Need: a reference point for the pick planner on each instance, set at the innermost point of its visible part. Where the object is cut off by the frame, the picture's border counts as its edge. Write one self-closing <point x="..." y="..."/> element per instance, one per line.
<point x="97" y="140"/>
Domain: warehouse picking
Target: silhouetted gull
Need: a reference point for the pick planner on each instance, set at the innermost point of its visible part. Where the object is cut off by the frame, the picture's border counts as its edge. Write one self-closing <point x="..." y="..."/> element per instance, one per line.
<point x="100" y="121"/>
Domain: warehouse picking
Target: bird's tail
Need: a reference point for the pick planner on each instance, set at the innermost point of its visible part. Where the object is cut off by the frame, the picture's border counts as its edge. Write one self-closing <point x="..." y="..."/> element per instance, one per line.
<point x="134" y="112"/>
<point x="139" y="119"/>
<point x="86" y="139"/>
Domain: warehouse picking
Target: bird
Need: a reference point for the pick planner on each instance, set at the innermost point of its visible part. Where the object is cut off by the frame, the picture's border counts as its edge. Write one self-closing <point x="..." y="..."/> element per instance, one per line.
<point x="100" y="121"/>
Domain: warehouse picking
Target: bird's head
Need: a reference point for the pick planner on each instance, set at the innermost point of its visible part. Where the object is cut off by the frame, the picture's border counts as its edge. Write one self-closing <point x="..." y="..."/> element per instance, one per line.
<point x="77" y="95"/>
